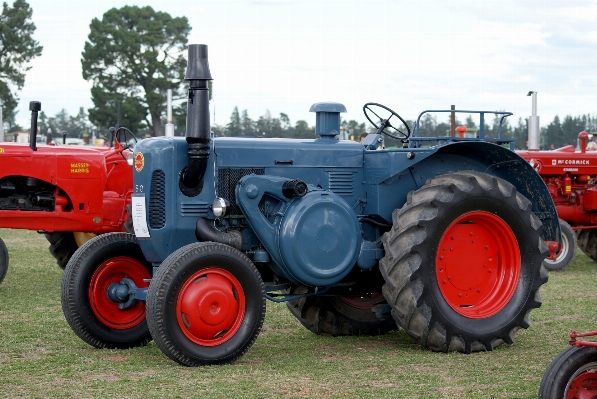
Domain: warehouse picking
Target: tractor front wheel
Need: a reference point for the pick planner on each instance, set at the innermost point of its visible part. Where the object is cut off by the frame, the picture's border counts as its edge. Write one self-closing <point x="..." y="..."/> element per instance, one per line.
<point x="96" y="292"/>
<point x="206" y="304"/>
<point x="340" y="315"/>
<point x="572" y="374"/>
<point x="463" y="263"/>
<point x="3" y="260"/>
<point x="567" y="252"/>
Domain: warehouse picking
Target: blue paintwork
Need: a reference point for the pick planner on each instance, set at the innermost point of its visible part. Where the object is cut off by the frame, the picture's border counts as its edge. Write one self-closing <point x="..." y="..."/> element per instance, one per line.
<point x="319" y="238"/>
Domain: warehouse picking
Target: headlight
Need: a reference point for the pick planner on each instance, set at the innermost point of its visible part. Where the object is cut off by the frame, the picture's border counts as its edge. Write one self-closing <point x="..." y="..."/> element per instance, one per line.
<point x="130" y="158"/>
<point x="219" y="207"/>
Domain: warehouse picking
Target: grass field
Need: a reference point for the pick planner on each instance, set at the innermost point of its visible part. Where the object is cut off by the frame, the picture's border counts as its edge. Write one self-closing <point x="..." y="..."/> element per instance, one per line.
<point x="41" y="357"/>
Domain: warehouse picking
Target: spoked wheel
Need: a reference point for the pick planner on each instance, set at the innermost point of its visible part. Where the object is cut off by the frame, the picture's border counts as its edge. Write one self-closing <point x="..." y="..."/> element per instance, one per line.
<point x="455" y="274"/>
<point x="96" y="292"/>
<point x="567" y="251"/>
<point x="571" y="375"/>
<point x="587" y="242"/>
<point x="340" y="315"/>
<point x="206" y="304"/>
<point x="3" y="260"/>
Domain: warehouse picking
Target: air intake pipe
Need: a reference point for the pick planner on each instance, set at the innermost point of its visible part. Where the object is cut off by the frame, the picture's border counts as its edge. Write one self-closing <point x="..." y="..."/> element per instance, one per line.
<point x="198" y="126"/>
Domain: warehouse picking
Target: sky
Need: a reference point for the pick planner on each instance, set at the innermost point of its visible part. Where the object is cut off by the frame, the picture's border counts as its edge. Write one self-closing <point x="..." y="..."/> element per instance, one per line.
<point x="410" y="55"/>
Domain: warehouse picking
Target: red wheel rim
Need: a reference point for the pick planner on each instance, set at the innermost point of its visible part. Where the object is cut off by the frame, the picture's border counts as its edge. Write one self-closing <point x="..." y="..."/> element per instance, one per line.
<point x="583" y="386"/>
<point x="478" y="264"/>
<point x="210" y="307"/>
<point x="359" y="302"/>
<point x="106" y="310"/>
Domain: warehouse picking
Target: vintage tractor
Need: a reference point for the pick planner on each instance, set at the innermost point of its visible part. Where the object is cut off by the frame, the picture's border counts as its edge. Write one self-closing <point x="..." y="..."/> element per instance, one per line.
<point x="446" y="242"/>
<point x="570" y="178"/>
<point x="68" y="192"/>
<point x="573" y="373"/>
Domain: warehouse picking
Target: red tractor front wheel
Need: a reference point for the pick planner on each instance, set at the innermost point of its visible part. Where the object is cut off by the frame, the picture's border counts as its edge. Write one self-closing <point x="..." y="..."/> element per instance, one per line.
<point x="96" y="292"/>
<point x="571" y="375"/>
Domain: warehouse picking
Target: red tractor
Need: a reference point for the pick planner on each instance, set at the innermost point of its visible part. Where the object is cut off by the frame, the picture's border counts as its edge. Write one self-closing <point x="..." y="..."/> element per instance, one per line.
<point x="70" y="193"/>
<point x="571" y="177"/>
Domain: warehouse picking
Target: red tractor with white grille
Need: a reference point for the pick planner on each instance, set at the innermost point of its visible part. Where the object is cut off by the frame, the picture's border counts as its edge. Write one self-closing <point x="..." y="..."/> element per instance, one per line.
<point x="70" y="193"/>
<point x="571" y="177"/>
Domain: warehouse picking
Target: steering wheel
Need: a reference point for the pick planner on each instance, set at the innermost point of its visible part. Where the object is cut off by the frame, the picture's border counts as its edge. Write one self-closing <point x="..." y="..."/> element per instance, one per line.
<point x="385" y="123"/>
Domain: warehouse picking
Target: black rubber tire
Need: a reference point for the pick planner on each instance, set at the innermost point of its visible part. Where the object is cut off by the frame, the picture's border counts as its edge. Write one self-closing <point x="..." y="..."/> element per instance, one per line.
<point x="566" y="367"/>
<point x="586" y="240"/>
<point x="75" y="296"/>
<point x="409" y="265"/>
<point x="62" y="246"/>
<point x="163" y="296"/>
<point x="568" y="251"/>
<point x="3" y="260"/>
<point x="330" y="315"/>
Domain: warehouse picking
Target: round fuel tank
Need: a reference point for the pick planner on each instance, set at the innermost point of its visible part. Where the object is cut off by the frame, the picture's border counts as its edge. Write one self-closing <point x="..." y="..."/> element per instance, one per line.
<point x="319" y="238"/>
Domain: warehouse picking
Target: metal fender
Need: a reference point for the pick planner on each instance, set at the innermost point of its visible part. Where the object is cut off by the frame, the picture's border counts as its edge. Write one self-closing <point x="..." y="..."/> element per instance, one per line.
<point x="501" y="162"/>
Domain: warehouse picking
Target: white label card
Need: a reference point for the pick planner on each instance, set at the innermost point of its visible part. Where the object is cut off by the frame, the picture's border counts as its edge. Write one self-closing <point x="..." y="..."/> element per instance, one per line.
<point x="140" y="217"/>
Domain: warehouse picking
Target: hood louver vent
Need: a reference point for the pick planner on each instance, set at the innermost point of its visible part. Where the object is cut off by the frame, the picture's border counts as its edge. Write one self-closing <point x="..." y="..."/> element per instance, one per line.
<point x="157" y="200"/>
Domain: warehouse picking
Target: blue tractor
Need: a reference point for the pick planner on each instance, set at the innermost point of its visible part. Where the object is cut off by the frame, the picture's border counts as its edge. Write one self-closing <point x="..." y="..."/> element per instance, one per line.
<point x="446" y="241"/>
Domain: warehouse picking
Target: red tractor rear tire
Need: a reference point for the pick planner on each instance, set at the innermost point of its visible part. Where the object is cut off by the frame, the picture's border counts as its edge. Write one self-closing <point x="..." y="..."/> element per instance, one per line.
<point x="98" y="265"/>
<point x="62" y="246"/>
<point x="587" y="242"/>
<point x="206" y="304"/>
<point x="568" y="251"/>
<point x="3" y="260"/>
<point x="572" y="374"/>
<point x="463" y="263"/>
<point x="339" y="316"/>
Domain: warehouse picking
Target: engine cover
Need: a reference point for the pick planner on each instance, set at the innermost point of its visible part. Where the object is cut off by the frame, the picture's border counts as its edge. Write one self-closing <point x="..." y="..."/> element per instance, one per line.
<point x="319" y="239"/>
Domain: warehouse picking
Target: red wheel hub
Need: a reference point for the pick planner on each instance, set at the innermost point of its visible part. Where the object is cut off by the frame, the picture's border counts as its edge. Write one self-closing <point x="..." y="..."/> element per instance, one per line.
<point x="478" y="264"/>
<point x="583" y="386"/>
<point x="110" y="272"/>
<point x="210" y="307"/>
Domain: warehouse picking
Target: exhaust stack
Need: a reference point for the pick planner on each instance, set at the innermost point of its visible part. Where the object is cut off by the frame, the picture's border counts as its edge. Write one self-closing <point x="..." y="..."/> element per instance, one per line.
<point x="198" y="126"/>
<point x="534" y="129"/>
<point x="34" y="107"/>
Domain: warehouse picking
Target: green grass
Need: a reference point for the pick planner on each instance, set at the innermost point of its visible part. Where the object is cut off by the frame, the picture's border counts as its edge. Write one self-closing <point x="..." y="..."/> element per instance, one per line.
<point x="41" y="357"/>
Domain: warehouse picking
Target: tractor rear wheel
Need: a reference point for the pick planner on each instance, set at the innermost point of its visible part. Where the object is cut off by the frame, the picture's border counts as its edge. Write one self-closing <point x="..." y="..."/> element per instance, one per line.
<point x="572" y="374"/>
<point x="339" y="316"/>
<point x="587" y="242"/>
<point x="3" y="260"/>
<point x="463" y="263"/>
<point x="92" y="297"/>
<point x="62" y="246"/>
<point x="568" y="251"/>
<point x="206" y="304"/>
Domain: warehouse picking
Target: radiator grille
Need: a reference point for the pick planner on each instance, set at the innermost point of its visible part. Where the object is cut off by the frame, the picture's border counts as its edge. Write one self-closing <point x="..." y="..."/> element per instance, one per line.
<point x="227" y="179"/>
<point x="157" y="200"/>
<point x="341" y="182"/>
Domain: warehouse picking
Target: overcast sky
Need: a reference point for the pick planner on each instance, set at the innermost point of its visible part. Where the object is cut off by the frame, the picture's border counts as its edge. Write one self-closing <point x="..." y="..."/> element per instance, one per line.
<point x="411" y="55"/>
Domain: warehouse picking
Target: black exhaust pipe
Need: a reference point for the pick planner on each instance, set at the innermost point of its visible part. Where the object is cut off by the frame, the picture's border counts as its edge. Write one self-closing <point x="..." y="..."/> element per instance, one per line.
<point x="198" y="126"/>
<point x="34" y="107"/>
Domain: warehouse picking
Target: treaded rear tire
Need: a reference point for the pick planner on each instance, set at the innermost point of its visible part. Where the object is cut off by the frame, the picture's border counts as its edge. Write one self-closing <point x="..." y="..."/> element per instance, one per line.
<point x="62" y="246"/>
<point x="568" y="251"/>
<point x="410" y="271"/>
<point x="587" y="242"/>
<point x="329" y="315"/>
<point x="566" y="368"/>
<point x="3" y="260"/>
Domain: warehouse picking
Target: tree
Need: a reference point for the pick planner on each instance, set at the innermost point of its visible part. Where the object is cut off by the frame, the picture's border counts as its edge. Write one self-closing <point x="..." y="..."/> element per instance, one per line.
<point x="136" y="53"/>
<point x="17" y="48"/>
